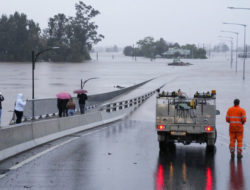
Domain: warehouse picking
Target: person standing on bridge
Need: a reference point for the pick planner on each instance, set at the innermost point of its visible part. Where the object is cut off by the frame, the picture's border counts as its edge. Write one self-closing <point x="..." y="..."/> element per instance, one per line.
<point x="1" y="99"/>
<point x="19" y="107"/>
<point x="236" y="117"/>
<point x="82" y="99"/>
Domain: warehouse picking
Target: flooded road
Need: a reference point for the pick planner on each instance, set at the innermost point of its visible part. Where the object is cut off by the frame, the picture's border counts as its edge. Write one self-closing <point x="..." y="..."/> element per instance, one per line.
<point x="125" y="154"/>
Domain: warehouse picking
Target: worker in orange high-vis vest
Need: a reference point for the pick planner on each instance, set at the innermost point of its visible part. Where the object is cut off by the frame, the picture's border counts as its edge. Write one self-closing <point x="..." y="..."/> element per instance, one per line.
<point x="236" y="117"/>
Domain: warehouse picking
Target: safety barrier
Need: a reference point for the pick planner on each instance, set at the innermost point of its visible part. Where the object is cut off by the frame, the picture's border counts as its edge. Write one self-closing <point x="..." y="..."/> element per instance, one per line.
<point x="44" y="108"/>
<point x="21" y="137"/>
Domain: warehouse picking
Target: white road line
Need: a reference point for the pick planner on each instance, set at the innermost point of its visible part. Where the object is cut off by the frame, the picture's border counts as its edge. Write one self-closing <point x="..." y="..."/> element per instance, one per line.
<point x="41" y="153"/>
<point x="1" y="176"/>
<point x="48" y="150"/>
<point x="38" y="155"/>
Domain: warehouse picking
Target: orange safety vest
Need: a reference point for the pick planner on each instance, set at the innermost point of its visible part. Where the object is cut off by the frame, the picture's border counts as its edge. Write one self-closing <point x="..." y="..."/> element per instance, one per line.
<point x="236" y="116"/>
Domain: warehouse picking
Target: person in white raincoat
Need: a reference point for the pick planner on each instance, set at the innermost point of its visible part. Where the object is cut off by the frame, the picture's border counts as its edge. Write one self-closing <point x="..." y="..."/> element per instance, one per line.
<point x="19" y="107"/>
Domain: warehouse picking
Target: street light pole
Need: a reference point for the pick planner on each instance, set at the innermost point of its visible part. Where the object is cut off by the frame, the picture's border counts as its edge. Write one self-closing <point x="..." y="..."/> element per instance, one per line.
<point x="244" y="54"/>
<point x="33" y="85"/>
<point x="34" y="58"/>
<point x="84" y="82"/>
<point x="239" y="8"/>
<point x="236" y="51"/>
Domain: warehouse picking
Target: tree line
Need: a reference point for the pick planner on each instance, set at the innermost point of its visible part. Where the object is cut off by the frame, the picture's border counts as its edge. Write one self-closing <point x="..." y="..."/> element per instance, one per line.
<point x="150" y="48"/>
<point x="74" y="35"/>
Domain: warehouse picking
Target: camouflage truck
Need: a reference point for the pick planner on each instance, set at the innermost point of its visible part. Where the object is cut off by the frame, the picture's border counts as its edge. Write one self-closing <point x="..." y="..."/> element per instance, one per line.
<point x="180" y="119"/>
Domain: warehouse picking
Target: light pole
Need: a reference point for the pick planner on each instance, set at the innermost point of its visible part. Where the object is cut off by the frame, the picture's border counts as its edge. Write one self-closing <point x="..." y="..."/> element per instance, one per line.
<point x="239" y="8"/>
<point x="84" y="82"/>
<point x="34" y="59"/>
<point x="236" y="51"/>
<point x="244" y="54"/>
<point x="231" y="40"/>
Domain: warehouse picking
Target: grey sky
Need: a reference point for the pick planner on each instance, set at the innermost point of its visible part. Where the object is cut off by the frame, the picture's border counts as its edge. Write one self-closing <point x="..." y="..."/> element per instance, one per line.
<point x="124" y="22"/>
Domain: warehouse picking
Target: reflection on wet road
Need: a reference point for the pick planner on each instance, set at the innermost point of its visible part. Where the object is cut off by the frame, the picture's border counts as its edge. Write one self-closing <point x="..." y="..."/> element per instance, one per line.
<point x="236" y="175"/>
<point x="184" y="167"/>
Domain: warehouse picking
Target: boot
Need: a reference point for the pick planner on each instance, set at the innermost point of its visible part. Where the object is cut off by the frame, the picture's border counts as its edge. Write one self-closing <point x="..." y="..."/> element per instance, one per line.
<point x="239" y="152"/>
<point x="232" y="149"/>
<point x="232" y="155"/>
<point x="239" y="156"/>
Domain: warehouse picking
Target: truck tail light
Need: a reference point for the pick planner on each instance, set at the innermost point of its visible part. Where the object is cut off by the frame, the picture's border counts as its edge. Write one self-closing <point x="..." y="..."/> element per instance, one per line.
<point x="209" y="128"/>
<point x="161" y="127"/>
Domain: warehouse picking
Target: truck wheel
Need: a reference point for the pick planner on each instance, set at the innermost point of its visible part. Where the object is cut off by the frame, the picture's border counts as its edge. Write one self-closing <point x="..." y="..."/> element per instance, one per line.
<point x="211" y="145"/>
<point x="215" y="136"/>
<point x="162" y="146"/>
<point x="211" y="141"/>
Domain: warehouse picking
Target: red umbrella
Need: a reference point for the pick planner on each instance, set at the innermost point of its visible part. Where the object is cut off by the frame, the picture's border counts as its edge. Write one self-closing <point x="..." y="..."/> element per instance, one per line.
<point x="80" y="91"/>
<point x="63" y="95"/>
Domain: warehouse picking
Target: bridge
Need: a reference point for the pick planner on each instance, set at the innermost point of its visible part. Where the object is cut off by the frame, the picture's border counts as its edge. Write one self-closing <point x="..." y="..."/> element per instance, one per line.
<point x="114" y="145"/>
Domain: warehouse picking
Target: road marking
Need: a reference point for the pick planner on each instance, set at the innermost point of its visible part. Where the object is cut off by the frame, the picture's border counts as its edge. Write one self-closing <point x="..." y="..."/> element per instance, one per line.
<point x="38" y="155"/>
<point x="1" y="176"/>
<point x="41" y="153"/>
<point x="49" y="150"/>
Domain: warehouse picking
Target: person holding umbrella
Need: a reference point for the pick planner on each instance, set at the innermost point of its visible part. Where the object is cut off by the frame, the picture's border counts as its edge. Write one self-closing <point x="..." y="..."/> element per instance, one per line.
<point x="62" y="100"/>
<point x="82" y="97"/>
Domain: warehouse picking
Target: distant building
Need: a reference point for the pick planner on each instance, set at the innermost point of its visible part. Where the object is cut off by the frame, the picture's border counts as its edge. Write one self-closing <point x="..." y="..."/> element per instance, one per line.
<point x="241" y="55"/>
<point x="177" y="51"/>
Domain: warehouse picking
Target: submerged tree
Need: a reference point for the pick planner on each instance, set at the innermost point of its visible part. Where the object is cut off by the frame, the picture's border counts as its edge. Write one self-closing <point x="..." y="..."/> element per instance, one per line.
<point x="18" y="36"/>
<point x="74" y="35"/>
<point x="147" y="47"/>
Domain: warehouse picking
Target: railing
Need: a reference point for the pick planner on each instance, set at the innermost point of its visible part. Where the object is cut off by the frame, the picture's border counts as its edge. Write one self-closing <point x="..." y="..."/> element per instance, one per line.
<point x="45" y="108"/>
<point x="116" y="106"/>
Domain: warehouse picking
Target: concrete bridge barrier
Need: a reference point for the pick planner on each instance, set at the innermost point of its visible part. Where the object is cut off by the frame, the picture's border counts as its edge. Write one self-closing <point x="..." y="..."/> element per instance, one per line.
<point x="21" y="137"/>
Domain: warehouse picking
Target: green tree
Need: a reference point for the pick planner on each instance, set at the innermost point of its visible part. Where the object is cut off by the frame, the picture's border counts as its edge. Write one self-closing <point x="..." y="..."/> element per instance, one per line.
<point x="128" y="51"/>
<point x="150" y="48"/>
<point x="195" y="52"/>
<point x="222" y="47"/>
<point x="56" y="36"/>
<point x="147" y="47"/>
<point x="74" y="35"/>
<point x="161" y="46"/>
<point x="18" y="37"/>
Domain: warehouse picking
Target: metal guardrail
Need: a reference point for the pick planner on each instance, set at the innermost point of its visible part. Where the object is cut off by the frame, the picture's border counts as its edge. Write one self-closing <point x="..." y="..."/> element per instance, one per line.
<point x="116" y="106"/>
<point x="48" y="107"/>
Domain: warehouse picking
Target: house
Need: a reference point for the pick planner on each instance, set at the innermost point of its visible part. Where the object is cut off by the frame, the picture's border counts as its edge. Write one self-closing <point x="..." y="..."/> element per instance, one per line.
<point x="177" y="51"/>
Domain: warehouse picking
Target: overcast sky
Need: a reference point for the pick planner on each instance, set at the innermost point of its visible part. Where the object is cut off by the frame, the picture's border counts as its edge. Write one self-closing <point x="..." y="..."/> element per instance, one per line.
<point x="124" y="22"/>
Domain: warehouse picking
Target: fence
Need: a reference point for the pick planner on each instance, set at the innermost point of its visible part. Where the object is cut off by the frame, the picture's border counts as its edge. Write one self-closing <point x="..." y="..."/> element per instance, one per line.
<point x="48" y="107"/>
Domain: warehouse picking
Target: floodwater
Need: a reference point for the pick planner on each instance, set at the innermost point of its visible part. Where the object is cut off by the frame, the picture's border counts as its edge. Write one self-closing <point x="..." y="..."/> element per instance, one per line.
<point x="116" y="69"/>
<point x="125" y="154"/>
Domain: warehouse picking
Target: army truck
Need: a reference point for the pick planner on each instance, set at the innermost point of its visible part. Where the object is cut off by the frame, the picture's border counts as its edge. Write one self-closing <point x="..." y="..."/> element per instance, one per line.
<point x="180" y="119"/>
